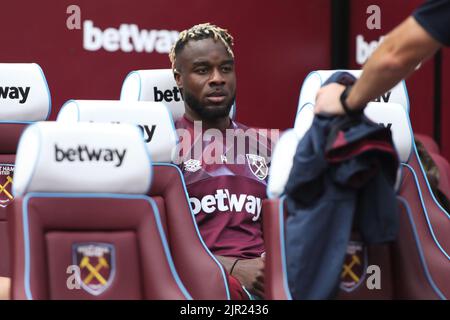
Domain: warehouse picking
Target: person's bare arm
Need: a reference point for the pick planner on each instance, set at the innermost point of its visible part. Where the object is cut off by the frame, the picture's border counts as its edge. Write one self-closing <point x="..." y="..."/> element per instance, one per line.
<point x="396" y="57"/>
<point x="5" y="285"/>
<point x="227" y="262"/>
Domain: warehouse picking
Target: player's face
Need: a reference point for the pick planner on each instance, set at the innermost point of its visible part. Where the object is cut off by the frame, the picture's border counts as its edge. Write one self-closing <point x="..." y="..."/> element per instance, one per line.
<point x="207" y="78"/>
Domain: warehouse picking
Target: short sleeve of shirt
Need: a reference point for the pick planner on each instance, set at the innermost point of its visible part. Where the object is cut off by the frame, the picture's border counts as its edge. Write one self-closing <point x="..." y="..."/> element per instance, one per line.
<point x="434" y="17"/>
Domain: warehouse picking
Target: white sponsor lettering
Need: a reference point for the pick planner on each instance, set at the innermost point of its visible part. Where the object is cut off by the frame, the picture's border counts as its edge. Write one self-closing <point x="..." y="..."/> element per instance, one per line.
<point x="208" y="204"/>
<point x="15" y="93"/>
<point x="223" y="201"/>
<point x="127" y="38"/>
<point x="365" y="49"/>
<point x="85" y="153"/>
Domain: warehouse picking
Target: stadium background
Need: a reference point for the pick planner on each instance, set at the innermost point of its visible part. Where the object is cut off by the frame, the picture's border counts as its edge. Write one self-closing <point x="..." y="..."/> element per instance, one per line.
<point x="277" y="43"/>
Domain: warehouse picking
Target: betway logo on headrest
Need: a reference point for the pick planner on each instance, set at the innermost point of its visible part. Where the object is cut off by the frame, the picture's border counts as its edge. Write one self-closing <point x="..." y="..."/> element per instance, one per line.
<point x="84" y="153"/>
<point x="386" y="125"/>
<point x="127" y="38"/>
<point x="15" y="93"/>
<point x="167" y="95"/>
<point x="383" y="98"/>
<point x="223" y="201"/>
<point x="147" y="130"/>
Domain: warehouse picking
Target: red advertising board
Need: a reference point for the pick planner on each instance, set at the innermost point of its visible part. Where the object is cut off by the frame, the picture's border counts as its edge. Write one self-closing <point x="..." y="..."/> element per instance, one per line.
<point x="421" y="84"/>
<point x="363" y="40"/>
<point x="276" y="44"/>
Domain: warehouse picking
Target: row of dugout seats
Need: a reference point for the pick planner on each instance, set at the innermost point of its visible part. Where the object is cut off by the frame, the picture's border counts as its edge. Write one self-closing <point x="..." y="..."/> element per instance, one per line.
<point x="68" y="210"/>
<point x="38" y="267"/>
<point x="15" y="116"/>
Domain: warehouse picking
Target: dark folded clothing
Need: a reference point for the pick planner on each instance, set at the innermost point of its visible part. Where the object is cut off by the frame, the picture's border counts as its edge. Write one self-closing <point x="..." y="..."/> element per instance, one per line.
<point x="344" y="170"/>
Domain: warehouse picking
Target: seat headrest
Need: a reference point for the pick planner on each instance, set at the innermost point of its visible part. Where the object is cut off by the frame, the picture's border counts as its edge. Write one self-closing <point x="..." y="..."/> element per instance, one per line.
<point x="395" y="117"/>
<point x="315" y="79"/>
<point x="153" y="118"/>
<point x="304" y="119"/>
<point x="82" y="157"/>
<point x="157" y="85"/>
<point x="392" y="115"/>
<point x="281" y="163"/>
<point x="24" y="93"/>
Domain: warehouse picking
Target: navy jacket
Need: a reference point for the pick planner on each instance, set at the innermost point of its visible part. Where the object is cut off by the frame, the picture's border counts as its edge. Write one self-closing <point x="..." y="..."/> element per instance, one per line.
<point x="343" y="175"/>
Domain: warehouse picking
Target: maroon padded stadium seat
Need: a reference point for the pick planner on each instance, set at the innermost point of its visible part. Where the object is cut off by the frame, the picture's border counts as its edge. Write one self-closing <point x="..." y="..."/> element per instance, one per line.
<point x="421" y="271"/>
<point x="421" y="253"/>
<point x="353" y="280"/>
<point x="58" y="228"/>
<point x="201" y="273"/>
<point x="428" y="234"/>
<point x="10" y="133"/>
<point x="426" y="252"/>
<point x="199" y="270"/>
<point x="379" y="255"/>
<point x="15" y="116"/>
<point x="82" y="226"/>
<point x="275" y="280"/>
<point x="417" y="192"/>
<point x="276" y="283"/>
<point x="418" y="259"/>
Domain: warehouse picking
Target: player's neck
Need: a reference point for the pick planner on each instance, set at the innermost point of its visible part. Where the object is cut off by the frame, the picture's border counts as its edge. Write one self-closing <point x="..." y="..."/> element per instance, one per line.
<point x="220" y="123"/>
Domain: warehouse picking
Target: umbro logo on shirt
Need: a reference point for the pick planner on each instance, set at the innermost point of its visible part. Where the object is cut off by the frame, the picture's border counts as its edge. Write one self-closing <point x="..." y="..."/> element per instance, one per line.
<point x="192" y="165"/>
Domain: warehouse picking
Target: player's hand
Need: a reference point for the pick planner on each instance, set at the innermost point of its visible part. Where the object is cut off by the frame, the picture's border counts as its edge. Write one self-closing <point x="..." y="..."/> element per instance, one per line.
<point x="5" y="286"/>
<point x="328" y="100"/>
<point x="250" y="273"/>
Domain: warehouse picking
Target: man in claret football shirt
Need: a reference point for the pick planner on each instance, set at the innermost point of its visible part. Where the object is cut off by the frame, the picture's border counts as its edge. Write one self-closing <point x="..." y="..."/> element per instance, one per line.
<point x="225" y="164"/>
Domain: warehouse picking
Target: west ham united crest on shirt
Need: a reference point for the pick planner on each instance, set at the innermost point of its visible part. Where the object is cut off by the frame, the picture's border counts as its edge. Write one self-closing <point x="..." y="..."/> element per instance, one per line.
<point x="226" y="195"/>
<point x="258" y="166"/>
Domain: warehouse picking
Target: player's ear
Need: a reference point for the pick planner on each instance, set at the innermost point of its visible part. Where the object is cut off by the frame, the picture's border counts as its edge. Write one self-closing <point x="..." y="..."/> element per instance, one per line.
<point x="178" y="80"/>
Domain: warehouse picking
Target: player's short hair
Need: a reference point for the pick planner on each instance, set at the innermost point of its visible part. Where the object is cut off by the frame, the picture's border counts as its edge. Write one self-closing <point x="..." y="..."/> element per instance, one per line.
<point x="200" y="32"/>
